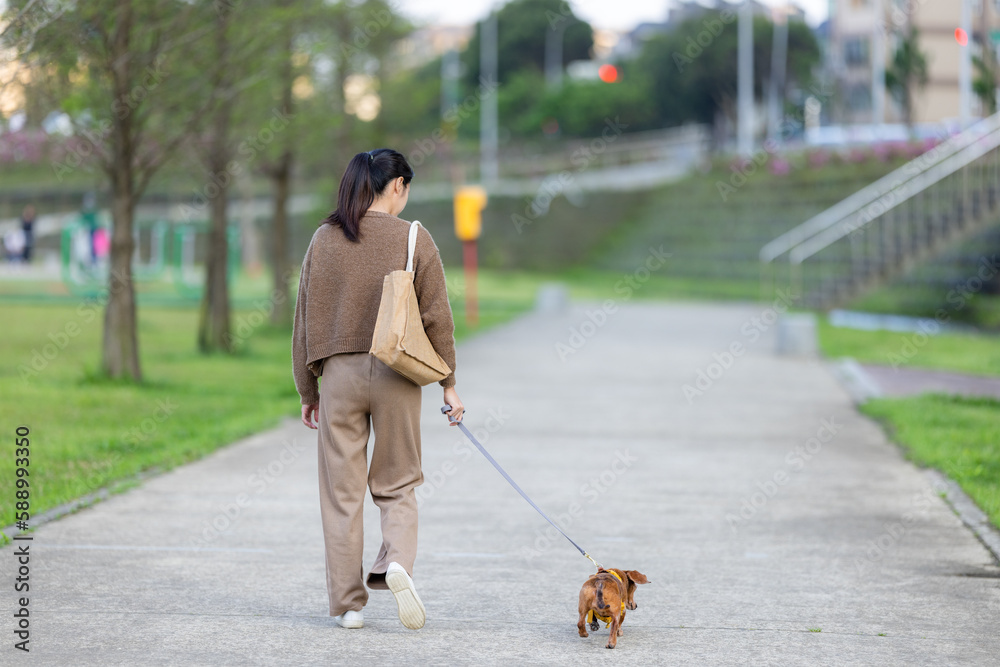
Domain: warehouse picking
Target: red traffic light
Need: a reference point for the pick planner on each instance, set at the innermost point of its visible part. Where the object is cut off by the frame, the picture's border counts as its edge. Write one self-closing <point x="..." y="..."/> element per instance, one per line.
<point x="961" y="36"/>
<point x="608" y="73"/>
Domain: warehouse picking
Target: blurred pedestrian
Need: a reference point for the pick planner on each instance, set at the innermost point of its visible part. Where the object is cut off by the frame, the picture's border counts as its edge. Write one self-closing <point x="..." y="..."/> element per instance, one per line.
<point x="28" y="227"/>
<point x="340" y="290"/>
<point x="13" y="245"/>
<point x="88" y="214"/>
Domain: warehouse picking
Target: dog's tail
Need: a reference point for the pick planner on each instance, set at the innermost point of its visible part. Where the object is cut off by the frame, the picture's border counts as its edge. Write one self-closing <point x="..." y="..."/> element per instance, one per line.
<point x="600" y="598"/>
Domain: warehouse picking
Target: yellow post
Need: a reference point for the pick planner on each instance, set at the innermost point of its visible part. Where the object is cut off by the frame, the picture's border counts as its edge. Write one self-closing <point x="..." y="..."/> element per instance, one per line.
<point x="470" y="200"/>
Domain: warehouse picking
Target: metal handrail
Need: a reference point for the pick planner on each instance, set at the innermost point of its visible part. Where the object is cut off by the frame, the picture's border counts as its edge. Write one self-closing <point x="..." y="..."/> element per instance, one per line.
<point x="870" y="194"/>
<point x="907" y="191"/>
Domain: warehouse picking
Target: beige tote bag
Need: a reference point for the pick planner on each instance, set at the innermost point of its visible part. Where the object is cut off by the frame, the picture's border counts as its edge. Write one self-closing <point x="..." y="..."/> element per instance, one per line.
<point x="400" y="340"/>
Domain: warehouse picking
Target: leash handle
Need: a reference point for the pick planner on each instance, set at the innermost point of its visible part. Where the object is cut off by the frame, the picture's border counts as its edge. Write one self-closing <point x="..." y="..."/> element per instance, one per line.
<point x="482" y="450"/>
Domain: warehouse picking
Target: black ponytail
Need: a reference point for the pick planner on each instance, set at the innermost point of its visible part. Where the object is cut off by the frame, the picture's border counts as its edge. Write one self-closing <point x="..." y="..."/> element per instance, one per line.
<point x="365" y="178"/>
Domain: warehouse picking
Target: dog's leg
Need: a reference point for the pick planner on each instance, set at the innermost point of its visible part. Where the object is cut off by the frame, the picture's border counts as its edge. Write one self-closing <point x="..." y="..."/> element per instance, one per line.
<point x="594" y="625"/>
<point x="621" y="622"/>
<point x="615" y="626"/>
<point x="581" y="625"/>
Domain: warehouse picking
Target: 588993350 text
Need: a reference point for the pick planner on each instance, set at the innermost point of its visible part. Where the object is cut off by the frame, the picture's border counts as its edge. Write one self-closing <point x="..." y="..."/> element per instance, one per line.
<point x="21" y="553"/>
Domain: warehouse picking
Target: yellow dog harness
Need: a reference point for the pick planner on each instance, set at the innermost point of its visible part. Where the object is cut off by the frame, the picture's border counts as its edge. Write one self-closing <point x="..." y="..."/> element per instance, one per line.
<point x="591" y="615"/>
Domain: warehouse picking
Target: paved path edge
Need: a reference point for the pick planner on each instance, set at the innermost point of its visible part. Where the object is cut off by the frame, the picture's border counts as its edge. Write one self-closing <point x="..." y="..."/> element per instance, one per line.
<point x="117" y="486"/>
<point x="862" y="387"/>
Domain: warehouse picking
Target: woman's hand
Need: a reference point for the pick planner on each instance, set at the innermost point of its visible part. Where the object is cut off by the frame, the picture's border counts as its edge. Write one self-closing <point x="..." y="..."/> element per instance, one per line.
<point x="457" y="409"/>
<point x="310" y="414"/>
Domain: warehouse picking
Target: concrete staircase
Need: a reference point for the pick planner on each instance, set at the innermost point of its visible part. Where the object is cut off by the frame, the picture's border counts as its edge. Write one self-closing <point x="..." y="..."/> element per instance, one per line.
<point x="886" y="228"/>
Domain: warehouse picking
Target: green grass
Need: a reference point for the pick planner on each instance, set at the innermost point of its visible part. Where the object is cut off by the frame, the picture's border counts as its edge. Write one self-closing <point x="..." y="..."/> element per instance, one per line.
<point x="716" y="239"/>
<point x="978" y="354"/>
<point x="244" y="289"/>
<point x="956" y="435"/>
<point x="899" y="297"/>
<point x="88" y="433"/>
<point x="953" y="434"/>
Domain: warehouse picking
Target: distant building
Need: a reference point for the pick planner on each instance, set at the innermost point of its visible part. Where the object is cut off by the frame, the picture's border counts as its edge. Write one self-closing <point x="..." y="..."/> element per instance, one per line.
<point x="850" y="64"/>
<point x="936" y="21"/>
<point x="849" y="61"/>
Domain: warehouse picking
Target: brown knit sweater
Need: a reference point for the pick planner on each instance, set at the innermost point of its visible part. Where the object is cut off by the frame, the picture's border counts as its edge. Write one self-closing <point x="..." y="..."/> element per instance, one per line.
<point x="340" y="289"/>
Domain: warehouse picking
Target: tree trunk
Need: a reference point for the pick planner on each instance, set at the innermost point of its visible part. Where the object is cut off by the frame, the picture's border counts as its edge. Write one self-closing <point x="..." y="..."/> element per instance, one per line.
<point x="213" y="327"/>
<point x="120" y="348"/>
<point x="281" y="314"/>
<point x="121" y="345"/>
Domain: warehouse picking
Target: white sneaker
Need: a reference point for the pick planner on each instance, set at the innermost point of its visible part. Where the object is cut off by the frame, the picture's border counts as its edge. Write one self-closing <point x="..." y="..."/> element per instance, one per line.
<point x="350" y="619"/>
<point x="411" y="609"/>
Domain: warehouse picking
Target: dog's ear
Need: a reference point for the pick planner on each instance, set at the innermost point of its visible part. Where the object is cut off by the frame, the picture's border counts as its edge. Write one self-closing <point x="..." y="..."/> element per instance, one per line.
<point x="636" y="576"/>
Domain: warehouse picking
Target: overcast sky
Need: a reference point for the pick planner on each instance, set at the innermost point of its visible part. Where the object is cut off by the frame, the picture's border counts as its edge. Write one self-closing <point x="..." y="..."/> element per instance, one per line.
<point x="616" y="14"/>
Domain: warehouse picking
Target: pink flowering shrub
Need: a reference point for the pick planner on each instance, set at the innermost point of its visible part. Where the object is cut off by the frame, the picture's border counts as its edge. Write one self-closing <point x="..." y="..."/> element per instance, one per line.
<point x="29" y="146"/>
<point x="818" y="158"/>
<point x="780" y="166"/>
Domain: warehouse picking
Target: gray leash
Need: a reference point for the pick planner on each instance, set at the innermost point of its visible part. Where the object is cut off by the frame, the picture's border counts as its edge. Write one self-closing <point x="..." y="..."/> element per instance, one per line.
<point x="468" y="433"/>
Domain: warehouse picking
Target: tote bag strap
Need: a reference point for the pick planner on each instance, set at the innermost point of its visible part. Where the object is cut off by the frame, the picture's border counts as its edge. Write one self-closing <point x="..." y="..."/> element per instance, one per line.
<point x="411" y="244"/>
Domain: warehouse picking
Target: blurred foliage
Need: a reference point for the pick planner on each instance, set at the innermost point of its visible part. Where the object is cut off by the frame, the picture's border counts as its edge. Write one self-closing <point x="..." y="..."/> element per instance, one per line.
<point x="907" y="70"/>
<point x="411" y="102"/>
<point x="690" y="72"/>
<point x="582" y="107"/>
<point x="686" y="74"/>
<point x="523" y="26"/>
<point x="984" y="84"/>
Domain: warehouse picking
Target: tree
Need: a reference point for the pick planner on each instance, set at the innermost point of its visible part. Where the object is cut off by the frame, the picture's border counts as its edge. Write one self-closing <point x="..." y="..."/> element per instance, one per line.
<point x="133" y="103"/>
<point x="362" y="35"/>
<point x="411" y="105"/>
<point x="241" y="63"/>
<point x="576" y="108"/>
<point x="226" y="71"/>
<point x="280" y="172"/>
<point x="249" y="64"/>
<point x="522" y="29"/>
<point x="691" y="72"/>
<point x="906" y="72"/>
<point x="985" y="83"/>
<point x="20" y="23"/>
<point x="354" y="38"/>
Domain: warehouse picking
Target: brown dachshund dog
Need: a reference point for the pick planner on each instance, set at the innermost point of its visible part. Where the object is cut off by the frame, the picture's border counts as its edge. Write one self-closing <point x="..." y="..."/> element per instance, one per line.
<point x="605" y="596"/>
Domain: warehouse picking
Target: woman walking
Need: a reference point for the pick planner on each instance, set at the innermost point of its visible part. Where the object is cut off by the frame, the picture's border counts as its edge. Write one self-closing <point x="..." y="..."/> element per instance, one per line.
<point x="340" y="289"/>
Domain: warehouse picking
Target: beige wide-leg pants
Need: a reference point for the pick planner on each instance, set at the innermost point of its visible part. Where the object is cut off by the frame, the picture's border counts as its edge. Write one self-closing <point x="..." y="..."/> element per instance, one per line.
<point x="355" y="387"/>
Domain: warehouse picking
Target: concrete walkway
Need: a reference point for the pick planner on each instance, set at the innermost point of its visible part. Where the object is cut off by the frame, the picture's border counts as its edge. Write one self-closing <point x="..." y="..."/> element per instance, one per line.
<point x="777" y="526"/>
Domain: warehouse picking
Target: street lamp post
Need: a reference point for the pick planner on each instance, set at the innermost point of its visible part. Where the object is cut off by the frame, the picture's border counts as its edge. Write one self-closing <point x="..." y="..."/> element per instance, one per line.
<point x="745" y="79"/>
<point x="965" y="68"/>
<point x="488" y="115"/>
<point x="878" y="65"/>
<point x="553" y="55"/>
<point x="776" y="97"/>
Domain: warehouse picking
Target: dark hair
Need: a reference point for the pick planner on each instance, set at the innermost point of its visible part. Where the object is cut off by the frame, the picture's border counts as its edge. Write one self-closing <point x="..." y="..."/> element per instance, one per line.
<point x="366" y="176"/>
